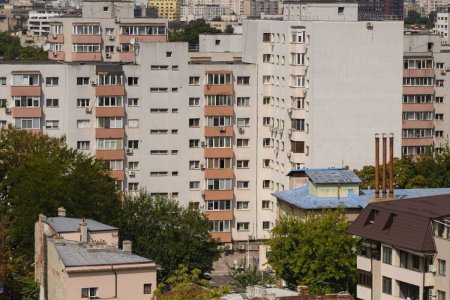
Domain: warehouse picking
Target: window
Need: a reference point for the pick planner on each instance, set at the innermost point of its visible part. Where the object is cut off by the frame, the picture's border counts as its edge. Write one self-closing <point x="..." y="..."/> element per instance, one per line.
<point x="243" y="101"/>
<point x="168" y="54"/>
<point x="298" y="37"/>
<point x="219" y="184"/>
<point x="51" y="81"/>
<point x="133" y="165"/>
<point x="194" y="164"/>
<point x="387" y="255"/>
<point x="3" y="103"/>
<point x="109" y="31"/>
<point x="266" y="225"/>
<point x="298" y="146"/>
<point x="133" y="186"/>
<point x="441" y="295"/>
<point x="159" y="110"/>
<point x="106" y="8"/>
<point x="158" y="152"/>
<point x="82" y="80"/>
<point x="194" y="80"/>
<point x="267" y="184"/>
<point x="220" y="226"/>
<point x="218" y="205"/>
<point x="387" y="285"/>
<point x="267" y="142"/>
<point x="133" y="144"/>
<point x="89" y="292"/>
<point x="2" y="80"/>
<point x="297" y="59"/>
<point x="341" y="11"/>
<point x="109" y="122"/>
<point x="439" y="82"/>
<point x="133" y="80"/>
<point x="194" y="101"/>
<point x="133" y="123"/>
<point x="439" y="133"/>
<point x="174" y="131"/>
<point x="418" y="81"/>
<point x="26" y="80"/>
<point x="403" y="259"/>
<point x="109" y="144"/>
<point x="266" y="204"/>
<point x="439" y="117"/>
<point x="109" y="49"/>
<point x="158" y="173"/>
<point x="242" y="142"/>
<point x="267" y="58"/>
<point x="3" y="124"/>
<point x="267" y="37"/>
<point x="56" y="47"/>
<point x="27" y="123"/>
<point x="243" y="226"/>
<point x="364" y="279"/>
<point x="85" y="29"/>
<point x="242" y="205"/>
<point x="133" y="102"/>
<point x="298" y="80"/>
<point x="219" y="100"/>
<point x="52" y="102"/>
<point x="147" y="288"/>
<point x="51" y="124"/>
<point x="442" y="267"/>
<point x="242" y="185"/>
<point x="218" y="121"/>
<point x="218" y="79"/>
<point x="267" y="79"/>
<point x="83" y="145"/>
<point x="115" y="164"/>
<point x="415" y="262"/>
<point x="266" y="100"/>
<point x="83" y="102"/>
<point x="243" y="122"/>
<point x="194" y="185"/>
<point x="85" y="48"/>
<point x="243" y="80"/>
<point x="142" y="30"/>
<point x="110" y="101"/>
<point x="218" y="142"/>
<point x="159" y="131"/>
<point x="242" y="164"/>
<point x="218" y="163"/>
<point x="194" y="143"/>
<point x="298" y="124"/>
<point x="194" y="123"/>
<point x="158" y="90"/>
<point x="159" y="67"/>
<point x="27" y="101"/>
<point x="439" y="99"/>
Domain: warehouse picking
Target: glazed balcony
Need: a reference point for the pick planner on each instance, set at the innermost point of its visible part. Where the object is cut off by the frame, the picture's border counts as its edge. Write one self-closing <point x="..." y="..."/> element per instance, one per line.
<point x="126" y="39"/>
<point x="221" y="89"/>
<point x="110" y="154"/>
<point x="219" y="194"/>
<point x="56" y="55"/>
<point x="56" y="38"/>
<point x="127" y="56"/>
<point x="110" y="111"/>
<point x="106" y="133"/>
<point x="118" y="174"/>
<point x="222" y="237"/>
<point x="417" y="142"/>
<point x="26" y="112"/>
<point x="86" y="39"/>
<point x="109" y="90"/>
<point x="219" y="173"/>
<point x="418" y="90"/>
<point x="219" y="110"/>
<point x="219" y="153"/>
<point x="218" y="215"/>
<point x="86" y="56"/>
<point x="418" y="73"/>
<point x="411" y="124"/>
<point x="413" y="107"/>
<point x="219" y="131"/>
<point x="33" y="90"/>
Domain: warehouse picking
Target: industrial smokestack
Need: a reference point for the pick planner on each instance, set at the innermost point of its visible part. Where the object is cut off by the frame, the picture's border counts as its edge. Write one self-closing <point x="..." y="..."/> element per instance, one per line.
<point x="391" y="165"/>
<point x="377" y="166"/>
<point x="384" y="166"/>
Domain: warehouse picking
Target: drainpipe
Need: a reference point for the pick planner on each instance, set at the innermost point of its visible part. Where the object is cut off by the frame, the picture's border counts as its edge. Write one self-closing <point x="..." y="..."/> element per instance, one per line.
<point x="377" y="166"/>
<point x="384" y="166"/>
<point x="391" y="166"/>
<point x="115" y="281"/>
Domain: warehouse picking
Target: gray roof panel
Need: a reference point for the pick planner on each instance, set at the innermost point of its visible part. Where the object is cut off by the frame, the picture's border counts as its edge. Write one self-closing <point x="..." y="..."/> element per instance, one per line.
<point x="319" y="176"/>
<point x="64" y="224"/>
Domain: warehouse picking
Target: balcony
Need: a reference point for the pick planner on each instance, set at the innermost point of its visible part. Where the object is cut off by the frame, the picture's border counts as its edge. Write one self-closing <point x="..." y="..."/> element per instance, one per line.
<point x="363" y="263"/>
<point x="109" y="90"/>
<point x="218" y="215"/>
<point x="56" y="55"/>
<point x="34" y="90"/>
<point x="418" y="73"/>
<point x="86" y="56"/>
<point x="298" y="114"/>
<point x="219" y="131"/>
<point x="297" y="135"/>
<point x="223" y="237"/>
<point x="111" y="111"/>
<point x="418" y="90"/>
<point x="219" y="153"/>
<point x="26" y="112"/>
<point x="56" y="38"/>
<point x="107" y="133"/>
<point x="411" y="124"/>
<point x="298" y="157"/>
<point x="110" y="154"/>
<point x="219" y="194"/>
<point x="219" y="110"/>
<point x="118" y="174"/>
<point x="219" y="173"/>
<point x="223" y="89"/>
<point x="127" y="56"/>
<point x="417" y="142"/>
<point x="86" y="39"/>
<point x="402" y="274"/>
<point x="126" y="39"/>
<point x="416" y="107"/>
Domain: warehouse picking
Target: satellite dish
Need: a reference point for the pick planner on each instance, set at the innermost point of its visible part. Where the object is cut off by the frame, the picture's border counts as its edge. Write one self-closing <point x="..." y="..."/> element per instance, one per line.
<point x="133" y="41"/>
<point x="46" y="47"/>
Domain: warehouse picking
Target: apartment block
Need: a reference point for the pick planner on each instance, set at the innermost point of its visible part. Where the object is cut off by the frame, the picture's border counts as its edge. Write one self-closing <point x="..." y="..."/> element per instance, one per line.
<point x="168" y="9"/>
<point x="405" y="249"/>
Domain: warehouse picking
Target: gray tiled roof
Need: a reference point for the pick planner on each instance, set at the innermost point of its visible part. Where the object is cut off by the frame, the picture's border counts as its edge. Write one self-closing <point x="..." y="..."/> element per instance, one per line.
<point x="64" y="224"/>
<point x="74" y="254"/>
<point x="332" y="176"/>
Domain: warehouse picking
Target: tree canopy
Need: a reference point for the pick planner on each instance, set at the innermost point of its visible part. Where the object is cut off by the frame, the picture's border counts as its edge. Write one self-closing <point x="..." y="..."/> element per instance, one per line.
<point x="190" y="33"/>
<point x="168" y="233"/>
<point x="414" y="17"/>
<point x="10" y="49"/>
<point x="316" y="252"/>
<point x="38" y="174"/>
<point x="243" y="276"/>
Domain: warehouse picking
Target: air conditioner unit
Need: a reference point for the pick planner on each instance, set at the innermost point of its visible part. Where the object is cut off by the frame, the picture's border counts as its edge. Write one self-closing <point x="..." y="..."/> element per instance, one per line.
<point x="288" y="154"/>
<point x="119" y="49"/>
<point x="112" y="37"/>
<point x="241" y="247"/>
<point x="241" y="130"/>
<point x="54" y="36"/>
<point x="7" y="110"/>
<point x="129" y="151"/>
<point x="432" y="268"/>
<point x="108" y="55"/>
<point x="202" y="166"/>
<point x="222" y="129"/>
<point x="131" y="173"/>
<point x="55" y="54"/>
<point x="443" y="71"/>
<point x="203" y="144"/>
<point x="94" y="82"/>
<point x="88" y="110"/>
<point x="369" y="25"/>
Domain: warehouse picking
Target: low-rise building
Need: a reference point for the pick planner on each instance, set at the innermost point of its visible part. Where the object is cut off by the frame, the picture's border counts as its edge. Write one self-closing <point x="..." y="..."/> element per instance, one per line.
<point x="80" y="258"/>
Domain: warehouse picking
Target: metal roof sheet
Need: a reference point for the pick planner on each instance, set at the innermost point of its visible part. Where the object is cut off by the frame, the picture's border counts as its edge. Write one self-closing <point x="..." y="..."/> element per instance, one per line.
<point x="64" y="224"/>
<point x="320" y="176"/>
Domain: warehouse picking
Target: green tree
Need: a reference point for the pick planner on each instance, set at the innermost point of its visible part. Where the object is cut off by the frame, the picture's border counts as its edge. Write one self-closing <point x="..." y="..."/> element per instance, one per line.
<point x="243" y="276"/>
<point x="191" y="32"/>
<point x="10" y="49"/>
<point x="38" y="174"/>
<point x="229" y="29"/>
<point x="316" y="252"/>
<point x="168" y="233"/>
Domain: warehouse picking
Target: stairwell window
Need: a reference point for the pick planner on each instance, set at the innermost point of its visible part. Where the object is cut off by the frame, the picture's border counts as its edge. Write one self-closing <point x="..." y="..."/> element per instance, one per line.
<point x="89" y="292"/>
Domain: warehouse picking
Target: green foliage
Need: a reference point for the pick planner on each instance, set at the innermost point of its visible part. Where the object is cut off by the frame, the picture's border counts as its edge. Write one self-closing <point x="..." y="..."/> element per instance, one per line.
<point x="229" y="29"/>
<point x="168" y="233"/>
<point x="183" y="284"/>
<point x="317" y="252"/>
<point x="10" y="49"/>
<point x="426" y="171"/>
<point x="38" y="174"/>
<point x="191" y="32"/>
<point x="415" y="18"/>
<point x="243" y="276"/>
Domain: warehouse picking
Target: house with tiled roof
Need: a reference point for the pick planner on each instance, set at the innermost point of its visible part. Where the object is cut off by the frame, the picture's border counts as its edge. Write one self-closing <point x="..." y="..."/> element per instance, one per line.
<point x="81" y="259"/>
<point x="405" y="249"/>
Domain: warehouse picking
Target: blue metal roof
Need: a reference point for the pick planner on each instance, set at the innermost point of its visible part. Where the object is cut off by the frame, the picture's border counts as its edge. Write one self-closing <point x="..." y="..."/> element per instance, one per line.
<point x="319" y="176"/>
<point x="302" y="199"/>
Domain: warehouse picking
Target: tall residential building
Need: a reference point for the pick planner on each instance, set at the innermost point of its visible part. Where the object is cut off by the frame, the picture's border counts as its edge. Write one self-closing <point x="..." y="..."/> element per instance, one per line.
<point x="169" y="9"/>
<point x="405" y="249"/>
<point x="219" y="128"/>
<point x="38" y="21"/>
<point x="380" y="10"/>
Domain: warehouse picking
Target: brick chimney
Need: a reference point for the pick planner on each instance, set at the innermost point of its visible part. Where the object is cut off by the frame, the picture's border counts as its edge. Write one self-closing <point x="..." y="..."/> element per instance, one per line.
<point x="83" y="231"/>
<point x="61" y="212"/>
<point x="303" y="290"/>
<point x="127" y="246"/>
